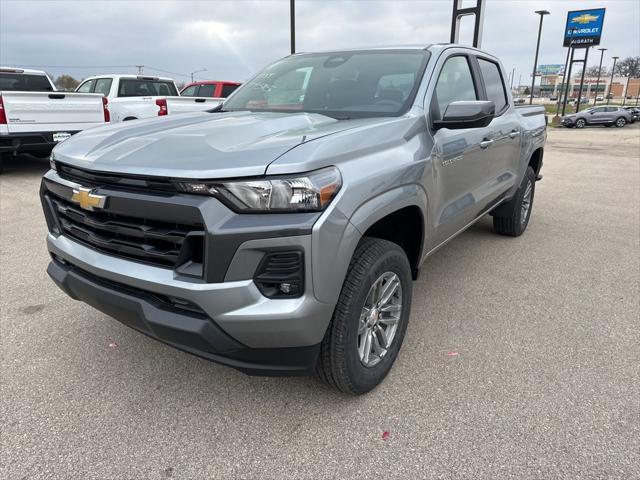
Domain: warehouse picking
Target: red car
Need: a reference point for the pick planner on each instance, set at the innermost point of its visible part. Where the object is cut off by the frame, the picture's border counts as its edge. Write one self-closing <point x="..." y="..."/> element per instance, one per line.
<point x="209" y="88"/>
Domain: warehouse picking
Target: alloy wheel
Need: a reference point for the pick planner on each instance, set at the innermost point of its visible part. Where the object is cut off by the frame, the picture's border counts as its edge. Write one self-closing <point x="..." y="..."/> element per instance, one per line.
<point x="379" y="319"/>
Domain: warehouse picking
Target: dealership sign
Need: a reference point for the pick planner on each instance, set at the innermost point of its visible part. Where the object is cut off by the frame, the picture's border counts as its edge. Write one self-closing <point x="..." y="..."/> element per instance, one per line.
<point x="584" y="28"/>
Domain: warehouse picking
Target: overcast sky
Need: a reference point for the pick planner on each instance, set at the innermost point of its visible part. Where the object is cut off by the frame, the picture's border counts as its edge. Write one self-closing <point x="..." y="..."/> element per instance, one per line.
<point x="234" y="39"/>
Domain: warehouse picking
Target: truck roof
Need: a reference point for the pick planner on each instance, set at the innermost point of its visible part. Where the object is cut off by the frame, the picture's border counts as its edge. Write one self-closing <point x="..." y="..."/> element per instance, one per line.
<point x="135" y="77"/>
<point x="432" y="47"/>
<point x="22" y="70"/>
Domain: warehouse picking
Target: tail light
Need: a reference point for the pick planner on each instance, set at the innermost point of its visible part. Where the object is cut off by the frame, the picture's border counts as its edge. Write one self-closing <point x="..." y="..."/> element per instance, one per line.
<point x="162" y="104"/>
<point x="3" y="116"/>
<point x="105" y="110"/>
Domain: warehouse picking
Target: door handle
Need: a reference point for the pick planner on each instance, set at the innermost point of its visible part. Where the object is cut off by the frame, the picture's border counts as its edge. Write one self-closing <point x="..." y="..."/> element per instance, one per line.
<point x="514" y="134"/>
<point x="485" y="143"/>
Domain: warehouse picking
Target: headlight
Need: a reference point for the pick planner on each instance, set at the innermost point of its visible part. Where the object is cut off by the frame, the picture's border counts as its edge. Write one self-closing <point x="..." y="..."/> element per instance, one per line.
<point x="52" y="163"/>
<point x="308" y="192"/>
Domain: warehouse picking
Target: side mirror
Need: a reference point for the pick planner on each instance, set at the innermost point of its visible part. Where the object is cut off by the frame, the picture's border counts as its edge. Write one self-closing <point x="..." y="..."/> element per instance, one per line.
<point x="467" y="114"/>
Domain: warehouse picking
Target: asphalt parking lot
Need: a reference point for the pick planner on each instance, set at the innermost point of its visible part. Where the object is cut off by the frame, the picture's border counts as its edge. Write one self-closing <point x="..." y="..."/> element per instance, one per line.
<point x="522" y="358"/>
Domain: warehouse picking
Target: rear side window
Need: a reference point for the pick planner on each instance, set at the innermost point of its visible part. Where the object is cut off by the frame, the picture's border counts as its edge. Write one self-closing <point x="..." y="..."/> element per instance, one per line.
<point x="86" y="87"/>
<point x="455" y="83"/>
<point x="493" y="83"/>
<point x="228" y="89"/>
<point x="206" y="90"/>
<point x="21" y="82"/>
<point x="133" y="87"/>
<point x="189" y="91"/>
<point x="103" y="86"/>
<point x="611" y="109"/>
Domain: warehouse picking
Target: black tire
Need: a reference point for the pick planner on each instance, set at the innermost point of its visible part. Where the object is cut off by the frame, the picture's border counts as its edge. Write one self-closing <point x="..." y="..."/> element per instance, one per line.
<point x="580" y="123"/>
<point x="621" y="122"/>
<point x="339" y="364"/>
<point x="508" y="219"/>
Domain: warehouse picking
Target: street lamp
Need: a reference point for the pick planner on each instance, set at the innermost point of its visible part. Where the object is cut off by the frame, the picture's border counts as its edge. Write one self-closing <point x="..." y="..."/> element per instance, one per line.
<point x="615" y="59"/>
<point x="197" y="71"/>
<point x="542" y="13"/>
<point x="602" y="50"/>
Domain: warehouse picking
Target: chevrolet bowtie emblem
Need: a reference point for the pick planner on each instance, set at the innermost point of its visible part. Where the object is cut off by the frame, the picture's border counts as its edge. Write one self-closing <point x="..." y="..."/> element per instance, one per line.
<point x="86" y="199"/>
<point x="584" y="18"/>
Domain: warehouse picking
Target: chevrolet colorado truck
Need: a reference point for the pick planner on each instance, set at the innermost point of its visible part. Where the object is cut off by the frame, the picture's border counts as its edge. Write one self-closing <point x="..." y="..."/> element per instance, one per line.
<point x="132" y="97"/>
<point x="34" y="117"/>
<point x="280" y="232"/>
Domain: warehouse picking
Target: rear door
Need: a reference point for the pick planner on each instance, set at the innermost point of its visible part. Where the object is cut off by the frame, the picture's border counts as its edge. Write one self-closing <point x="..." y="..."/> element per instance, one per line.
<point x="504" y="133"/>
<point x="598" y="115"/>
<point x="459" y="160"/>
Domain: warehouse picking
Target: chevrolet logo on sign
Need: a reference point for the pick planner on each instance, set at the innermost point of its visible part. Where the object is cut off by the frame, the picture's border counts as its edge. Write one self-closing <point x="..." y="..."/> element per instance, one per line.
<point x="584" y="18"/>
<point x="86" y="199"/>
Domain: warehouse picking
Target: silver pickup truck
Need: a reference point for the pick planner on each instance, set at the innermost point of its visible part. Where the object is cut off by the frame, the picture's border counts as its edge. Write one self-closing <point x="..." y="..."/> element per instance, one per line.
<point x="280" y="232"/>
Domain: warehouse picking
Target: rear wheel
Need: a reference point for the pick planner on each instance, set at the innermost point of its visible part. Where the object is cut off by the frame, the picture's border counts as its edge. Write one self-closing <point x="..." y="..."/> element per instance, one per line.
<point x="512" y="219"/>
<point x="580" y="123"/>
<point x="370" y="319"/>
<point x="621" y="122"/>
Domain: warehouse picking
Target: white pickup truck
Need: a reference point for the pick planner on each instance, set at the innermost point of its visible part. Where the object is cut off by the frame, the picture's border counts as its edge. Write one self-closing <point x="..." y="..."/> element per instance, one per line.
<point x="34" y="117"/>
<point x="132" y="97"/>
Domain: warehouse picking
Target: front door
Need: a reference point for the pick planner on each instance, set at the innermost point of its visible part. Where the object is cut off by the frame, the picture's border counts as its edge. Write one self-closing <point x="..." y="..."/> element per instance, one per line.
<point x="459" y="156"/>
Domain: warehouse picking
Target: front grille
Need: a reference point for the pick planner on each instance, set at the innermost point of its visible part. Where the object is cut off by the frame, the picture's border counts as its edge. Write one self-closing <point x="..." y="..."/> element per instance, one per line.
<point x="159" y="243"/>
<point x="90" y="178"/>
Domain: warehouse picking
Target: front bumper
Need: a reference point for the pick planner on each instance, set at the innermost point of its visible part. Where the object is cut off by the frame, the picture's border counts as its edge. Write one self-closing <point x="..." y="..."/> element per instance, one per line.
<point x="187" y="331"/>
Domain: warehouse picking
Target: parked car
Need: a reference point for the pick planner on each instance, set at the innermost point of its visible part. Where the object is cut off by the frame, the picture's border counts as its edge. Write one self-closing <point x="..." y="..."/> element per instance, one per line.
<point x="599" y="98"/>
<point x="34" y="117"/>
<point x="635" y="113"/>
<point x="133" y="97"/>
<point x="607" y="116"/>
<point x="280" y="232"/>
<point x="520" y="101"/>
<point x="553" y="98"/>
<point x="209" y="89"/>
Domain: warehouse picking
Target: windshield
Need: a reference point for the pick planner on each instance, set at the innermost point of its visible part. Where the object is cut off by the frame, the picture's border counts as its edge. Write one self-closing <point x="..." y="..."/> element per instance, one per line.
<point x="341" y="85"/>
<point x="21" y="82"/>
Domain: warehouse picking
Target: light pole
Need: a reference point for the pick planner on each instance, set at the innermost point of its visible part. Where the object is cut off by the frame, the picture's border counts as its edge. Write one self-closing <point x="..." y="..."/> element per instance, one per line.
<point x="542" y="13"/>
<point x="513" y="74"/>
<point x="615" y="59"/>
<point x="292" y="25"/>
<point x="197" y="71"/>
<point x="602" y="50"/>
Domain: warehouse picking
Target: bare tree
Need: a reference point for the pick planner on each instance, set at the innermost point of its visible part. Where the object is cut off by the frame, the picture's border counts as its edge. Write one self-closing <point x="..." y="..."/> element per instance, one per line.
<point x="66" y="83"/>
<point x="629" y="67"/>
<point x="592" y="71"/>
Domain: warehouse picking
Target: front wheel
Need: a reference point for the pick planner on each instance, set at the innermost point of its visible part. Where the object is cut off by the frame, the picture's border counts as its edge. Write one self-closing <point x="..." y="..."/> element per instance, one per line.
<point x="370" y="318"/>
<point x="512" y="219"/>
<point x="621" y="122"/>
<point x="580" y="123"/>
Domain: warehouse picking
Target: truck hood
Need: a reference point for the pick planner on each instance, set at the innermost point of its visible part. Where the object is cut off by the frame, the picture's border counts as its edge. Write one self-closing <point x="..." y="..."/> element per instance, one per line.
<point x="199" y="145"/>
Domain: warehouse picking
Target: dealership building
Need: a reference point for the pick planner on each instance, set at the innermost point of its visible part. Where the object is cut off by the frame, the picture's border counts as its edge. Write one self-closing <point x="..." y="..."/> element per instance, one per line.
<point x="551" y="84"/>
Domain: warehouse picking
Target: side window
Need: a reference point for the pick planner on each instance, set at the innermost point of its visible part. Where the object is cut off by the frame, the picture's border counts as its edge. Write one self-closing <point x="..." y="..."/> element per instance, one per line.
<point x="189" y="91"/>
<point x="494" y="84"/>
<point x="86" y="87"/>
<point x="206" y="91"/>
<point x="103" y="86"/>
<point x="455" y="83"/>
<point x="228" y="89"/>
